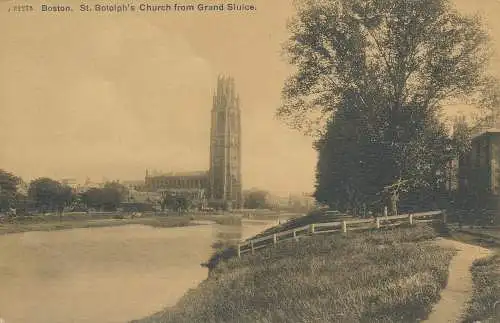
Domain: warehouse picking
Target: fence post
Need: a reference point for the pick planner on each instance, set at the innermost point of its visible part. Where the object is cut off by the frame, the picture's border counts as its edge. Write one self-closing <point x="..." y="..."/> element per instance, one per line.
<point x="251" y="245"/>
<point x="444" y="216"/>
<point x="238" y="250"/>
<point x="274" y="239"/>
<point x="378" y="223"/>
<point x="411" y="219"/>
<point x="344" y="227"/>
<point x="312" y="228"/>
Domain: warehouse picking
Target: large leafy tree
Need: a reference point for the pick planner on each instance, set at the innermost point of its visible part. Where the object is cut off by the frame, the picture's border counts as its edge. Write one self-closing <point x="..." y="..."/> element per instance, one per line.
<point x="256" y="199"/>
<point x="50" y="195"/>
<point x="122" y="190"/>
<point x="107" y="198"/>
<point x="8" y="189"/>
<point x="374" y="75"/>
<point x="175" y="202"/>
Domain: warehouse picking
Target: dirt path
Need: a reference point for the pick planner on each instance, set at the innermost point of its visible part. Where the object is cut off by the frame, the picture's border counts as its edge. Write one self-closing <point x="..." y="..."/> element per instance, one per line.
<point x="458" y="291"/>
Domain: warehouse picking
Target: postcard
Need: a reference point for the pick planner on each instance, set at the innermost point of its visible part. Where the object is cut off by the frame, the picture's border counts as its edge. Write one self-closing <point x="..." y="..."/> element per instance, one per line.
<point x="249" y="161"/>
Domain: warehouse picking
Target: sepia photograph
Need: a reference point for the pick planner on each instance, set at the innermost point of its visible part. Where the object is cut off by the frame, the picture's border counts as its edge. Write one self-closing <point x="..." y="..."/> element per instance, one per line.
<point x="250" y="161"/>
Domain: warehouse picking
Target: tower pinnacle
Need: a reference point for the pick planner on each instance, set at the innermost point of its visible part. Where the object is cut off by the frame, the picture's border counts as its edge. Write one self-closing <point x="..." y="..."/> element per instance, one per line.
<point x="225" y="143"/>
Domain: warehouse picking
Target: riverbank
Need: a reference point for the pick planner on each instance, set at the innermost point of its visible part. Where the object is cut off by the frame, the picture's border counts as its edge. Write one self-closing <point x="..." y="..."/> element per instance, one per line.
<point x="399" y="276"/>
<point x="52" y="223"/>
<point x="486" y="294"/>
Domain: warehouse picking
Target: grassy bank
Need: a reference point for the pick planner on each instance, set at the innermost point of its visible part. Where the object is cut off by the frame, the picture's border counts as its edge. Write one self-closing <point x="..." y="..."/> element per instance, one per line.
<point x="66" y="224"/>
<point x="385" y="276"/>
<point x="51" y="223"/>
<point x="299" y="221"/>
<point x="486" y="279"/>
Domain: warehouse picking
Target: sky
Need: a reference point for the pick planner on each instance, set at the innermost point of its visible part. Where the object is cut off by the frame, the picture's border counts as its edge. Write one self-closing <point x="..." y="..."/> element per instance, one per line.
<point x="111" y="95"/>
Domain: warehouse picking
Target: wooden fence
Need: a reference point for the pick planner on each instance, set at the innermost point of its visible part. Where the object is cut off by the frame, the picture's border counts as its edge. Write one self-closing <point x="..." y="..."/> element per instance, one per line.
<point x="341" y="227"/>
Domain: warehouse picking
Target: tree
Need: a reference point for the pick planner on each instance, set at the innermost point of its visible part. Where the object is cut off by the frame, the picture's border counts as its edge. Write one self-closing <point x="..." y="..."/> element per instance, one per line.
<point x="462" y="144"/>
<point x="376" y="75"/>
<point x="175" y="202"/>
<point x="257" y="199"/>
<point x="116" y="186"/>
<point x="63" y="198"/>
<point x="107" y="198"/>
<point x="182" y="203"/>
<point x="8" y="189"/>
<point x="50" y="195"/>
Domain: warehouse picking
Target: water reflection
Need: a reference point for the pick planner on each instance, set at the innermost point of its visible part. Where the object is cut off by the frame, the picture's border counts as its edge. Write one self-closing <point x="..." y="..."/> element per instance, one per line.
<point x="106" y="274"/>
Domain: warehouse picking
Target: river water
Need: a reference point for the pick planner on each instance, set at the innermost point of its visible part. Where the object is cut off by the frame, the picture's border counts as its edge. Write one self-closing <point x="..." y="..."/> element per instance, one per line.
<point x="112" y="274"/>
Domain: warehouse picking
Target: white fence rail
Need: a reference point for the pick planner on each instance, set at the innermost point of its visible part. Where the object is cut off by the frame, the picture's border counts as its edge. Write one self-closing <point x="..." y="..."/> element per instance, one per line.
<point x="340" y="226"/>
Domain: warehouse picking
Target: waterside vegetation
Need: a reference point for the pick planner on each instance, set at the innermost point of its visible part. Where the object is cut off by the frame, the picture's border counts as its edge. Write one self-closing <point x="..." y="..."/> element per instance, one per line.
<point x="486" y="279"/>
<point x="398" y="277"/>
<point x="55" y="222"/>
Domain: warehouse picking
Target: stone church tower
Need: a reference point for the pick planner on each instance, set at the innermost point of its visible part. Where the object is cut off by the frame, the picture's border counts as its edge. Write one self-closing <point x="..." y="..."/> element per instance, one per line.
<point x="225" y="147"/>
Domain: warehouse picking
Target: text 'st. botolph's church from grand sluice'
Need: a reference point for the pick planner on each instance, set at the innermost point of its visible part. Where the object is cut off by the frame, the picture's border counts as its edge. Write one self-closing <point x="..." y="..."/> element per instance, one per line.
<point x="220" y="186"/>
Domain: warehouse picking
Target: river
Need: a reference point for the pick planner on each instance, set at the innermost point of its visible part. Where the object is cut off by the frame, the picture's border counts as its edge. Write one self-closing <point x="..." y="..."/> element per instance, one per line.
<point x="112" y="274"/>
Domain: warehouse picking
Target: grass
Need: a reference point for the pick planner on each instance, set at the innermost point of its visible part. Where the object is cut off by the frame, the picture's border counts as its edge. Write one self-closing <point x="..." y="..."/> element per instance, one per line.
<point x="486" y="279"/>
<point x="65" y="224"/>
<point x="312" y="217"/>
<point x="51" y="222"/>
<point x="380" y="276"/>
<point x="225" y="219"/>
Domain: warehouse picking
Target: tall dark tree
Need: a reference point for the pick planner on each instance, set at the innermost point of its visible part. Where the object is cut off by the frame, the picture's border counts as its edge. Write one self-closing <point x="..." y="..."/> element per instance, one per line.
<point x="8" y="189"/>
<point x="107" y="198"/>
<point x="256" y="199"/>
<point x="49" y="195"/>
<point x="462" y="143"/>
<point x="120" y="188"/>
<point x="175" y="202"/>
<point x="377" y="73"/>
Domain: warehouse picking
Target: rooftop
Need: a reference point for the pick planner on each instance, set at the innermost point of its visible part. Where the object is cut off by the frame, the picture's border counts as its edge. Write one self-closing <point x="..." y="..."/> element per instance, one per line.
<point x="487" y="131"/>
<point x="178" y="174"/>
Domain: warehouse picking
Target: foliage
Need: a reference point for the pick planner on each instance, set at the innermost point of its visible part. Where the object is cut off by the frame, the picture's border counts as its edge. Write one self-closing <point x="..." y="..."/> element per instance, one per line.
<point x="376" y="74"/>
<point x="392" y="54"/>
<point x="397" y="279"/>
<point x="49" y="195"/>
<point x="358" y="167"/>
<point x="462" y="136"/>
<point x="486" y="279"/>
<point x="51" y="223"/>
<point x="176" y="202"/>
<point x="8" y="189"/>
<point x="116" y="186"/>
<point x="256" y="199"/>
<point x="106" y="198"/>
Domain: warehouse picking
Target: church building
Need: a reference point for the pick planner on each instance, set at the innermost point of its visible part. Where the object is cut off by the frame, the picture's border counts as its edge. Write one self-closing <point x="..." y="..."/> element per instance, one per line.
<point x="220" y="186"/>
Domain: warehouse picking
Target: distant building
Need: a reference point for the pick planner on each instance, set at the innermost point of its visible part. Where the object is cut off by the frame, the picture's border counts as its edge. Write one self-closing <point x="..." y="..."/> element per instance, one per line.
<point x="71" y="182"/>
<point x="176" y="180"/>
<point x="22" y="186"/>
<point x="221" y="184"/>
<point x="135" y="196"/>
<point x="134" y="184"/>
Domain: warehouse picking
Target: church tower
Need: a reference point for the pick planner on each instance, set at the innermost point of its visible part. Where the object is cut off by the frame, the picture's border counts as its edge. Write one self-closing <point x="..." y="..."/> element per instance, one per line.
<point x="225" y="147"/>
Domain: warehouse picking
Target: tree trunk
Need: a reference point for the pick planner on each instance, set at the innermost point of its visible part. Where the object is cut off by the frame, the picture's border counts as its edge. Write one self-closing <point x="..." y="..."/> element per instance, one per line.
<point x="394" y="203"/>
